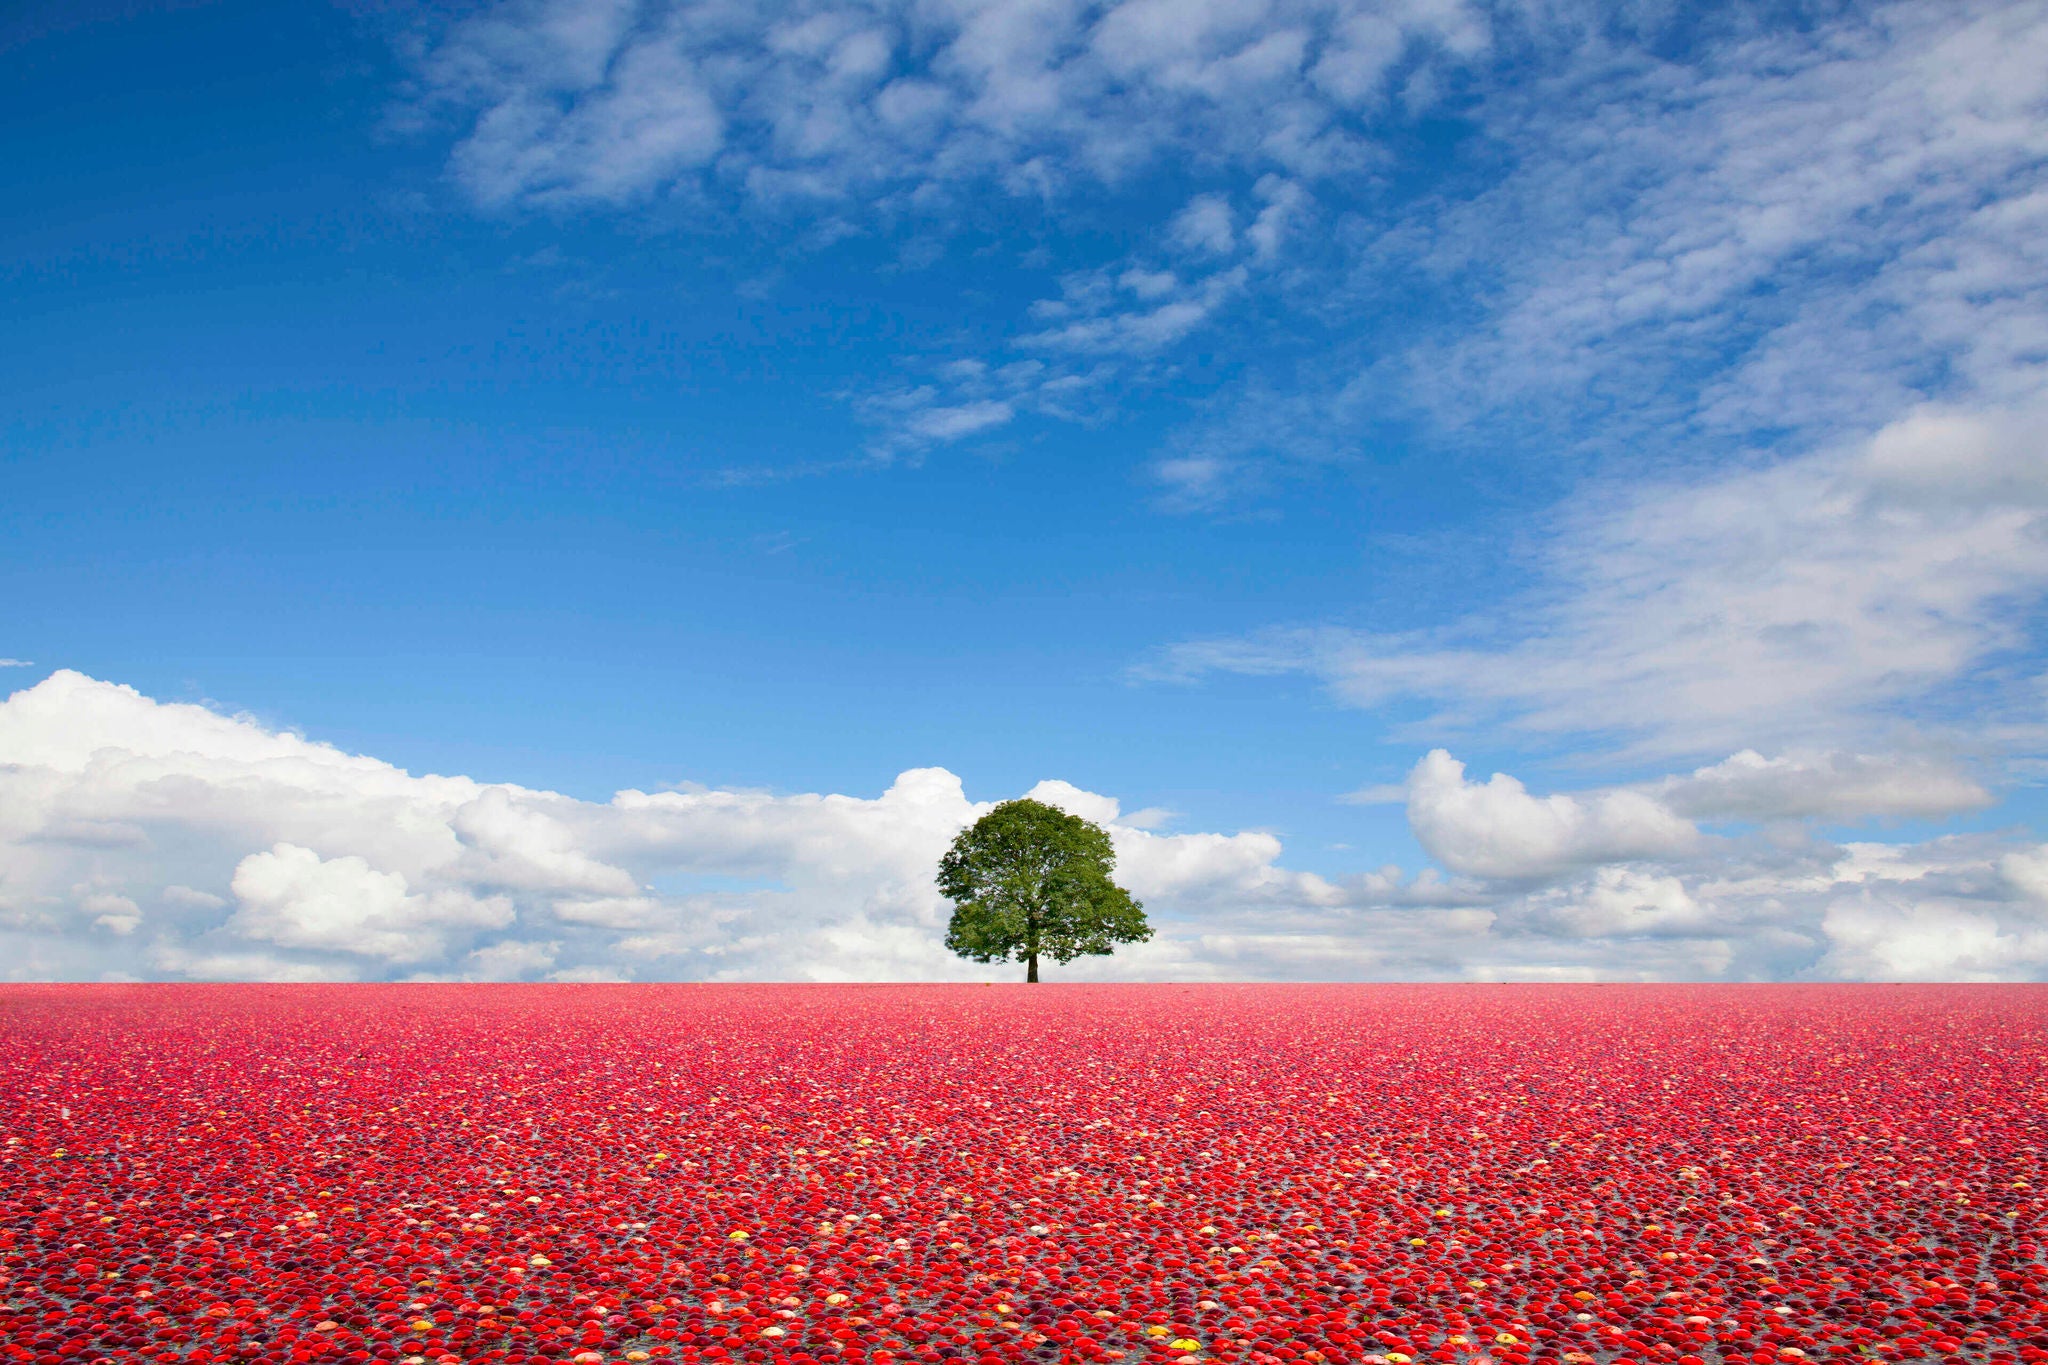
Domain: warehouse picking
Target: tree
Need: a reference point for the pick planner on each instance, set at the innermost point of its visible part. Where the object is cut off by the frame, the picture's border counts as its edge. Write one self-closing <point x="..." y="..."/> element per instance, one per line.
<point x="1028" y="878"/>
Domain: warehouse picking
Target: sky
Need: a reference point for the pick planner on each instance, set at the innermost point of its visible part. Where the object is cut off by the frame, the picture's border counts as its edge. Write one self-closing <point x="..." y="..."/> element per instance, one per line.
<point x="592" y="489"/>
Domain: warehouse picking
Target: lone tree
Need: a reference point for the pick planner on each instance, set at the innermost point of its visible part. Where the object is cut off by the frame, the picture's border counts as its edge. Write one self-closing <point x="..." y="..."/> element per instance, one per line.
<point x="1028" y="878"/>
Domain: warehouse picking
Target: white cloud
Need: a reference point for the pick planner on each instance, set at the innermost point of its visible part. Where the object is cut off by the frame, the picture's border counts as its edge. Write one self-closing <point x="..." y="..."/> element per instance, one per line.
<point x="1183" y="866"/>
<point x="2027" y="871"/>
<point x="176" y="961"/>
<point x="1285" y="204"/>
<point x="292" y="897"/>
<point x="1108" y="333"/>
<point x="1875" y="935"/>
<point x="599" y="116"/>
<point x="589" y="974"/>
<point x="1131" y="311"/>
<point x="1496" y="829"/>
<point x="511" y="960"/>
<point x="590" y="100"/>
<point x="1103" y="810"/>
<point x="115" y="914"/>
<point x="523" y="839"/>
<point x="617" y="912"/>
<point x="1802" y="602"/>
<point x="1624" y="902"/>
<point x="1758" y="236"/>
<point x="17" y="663"/>
<point x="1805" y="228"/>
<point x="1841" y="786"/>
<point x="963" y="419"/>
<point x="1206" y="226"/>
<point x="967" y="398"/>
<point x="1614" y="883"/>
<point x="904" y="118"/>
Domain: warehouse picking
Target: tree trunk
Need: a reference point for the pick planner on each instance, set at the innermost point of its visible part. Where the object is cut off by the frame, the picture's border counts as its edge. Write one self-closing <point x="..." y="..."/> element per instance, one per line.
<point x="1032" y="974"/>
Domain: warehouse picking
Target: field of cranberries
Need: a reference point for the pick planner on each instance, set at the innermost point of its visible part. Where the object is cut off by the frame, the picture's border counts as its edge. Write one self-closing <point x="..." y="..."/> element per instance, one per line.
<point x="1531" y="1175"/>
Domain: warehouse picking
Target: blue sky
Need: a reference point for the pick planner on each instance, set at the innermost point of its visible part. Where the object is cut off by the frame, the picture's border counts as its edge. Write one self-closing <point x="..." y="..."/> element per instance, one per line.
<point x="1217" y="407"/>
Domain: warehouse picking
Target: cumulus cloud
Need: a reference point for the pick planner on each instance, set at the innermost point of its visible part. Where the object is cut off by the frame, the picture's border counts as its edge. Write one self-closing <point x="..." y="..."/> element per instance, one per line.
<point x="1496" y="829"/>
<point x="1625" y="902"/>
<point x="1103" y="810"/>
<point x="2027" y="872"/>
<point x="292" y="897"/>
<point x="518" y="838"/>
<point x="1883" y="935"/>
<point x="1180" y="866"/>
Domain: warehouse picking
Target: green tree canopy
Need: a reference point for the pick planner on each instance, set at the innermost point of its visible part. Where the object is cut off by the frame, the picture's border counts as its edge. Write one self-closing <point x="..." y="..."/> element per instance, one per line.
<point x="1029" y="879"/>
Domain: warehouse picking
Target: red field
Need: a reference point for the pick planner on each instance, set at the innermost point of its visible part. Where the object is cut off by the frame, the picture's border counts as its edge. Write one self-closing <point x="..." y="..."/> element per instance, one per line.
<point x="596" y="1173"/>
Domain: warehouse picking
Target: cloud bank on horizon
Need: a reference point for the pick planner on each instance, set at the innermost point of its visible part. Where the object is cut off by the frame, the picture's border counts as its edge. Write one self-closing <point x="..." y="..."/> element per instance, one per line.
<point x="140" y="839"/>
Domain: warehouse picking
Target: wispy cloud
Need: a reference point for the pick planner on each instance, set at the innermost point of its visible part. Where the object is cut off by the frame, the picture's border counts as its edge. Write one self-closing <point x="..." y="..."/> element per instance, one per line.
<point x="1800" y="230"/>
<point x="924" y="415"/>
<point x="17" y="663"/>
<point x="1781" y="237"/>
<point x="1131" y="311"/>
<point x="1820" y="599"/>
<point x="967" y="398"/>
<point x="1108" y="331"/>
